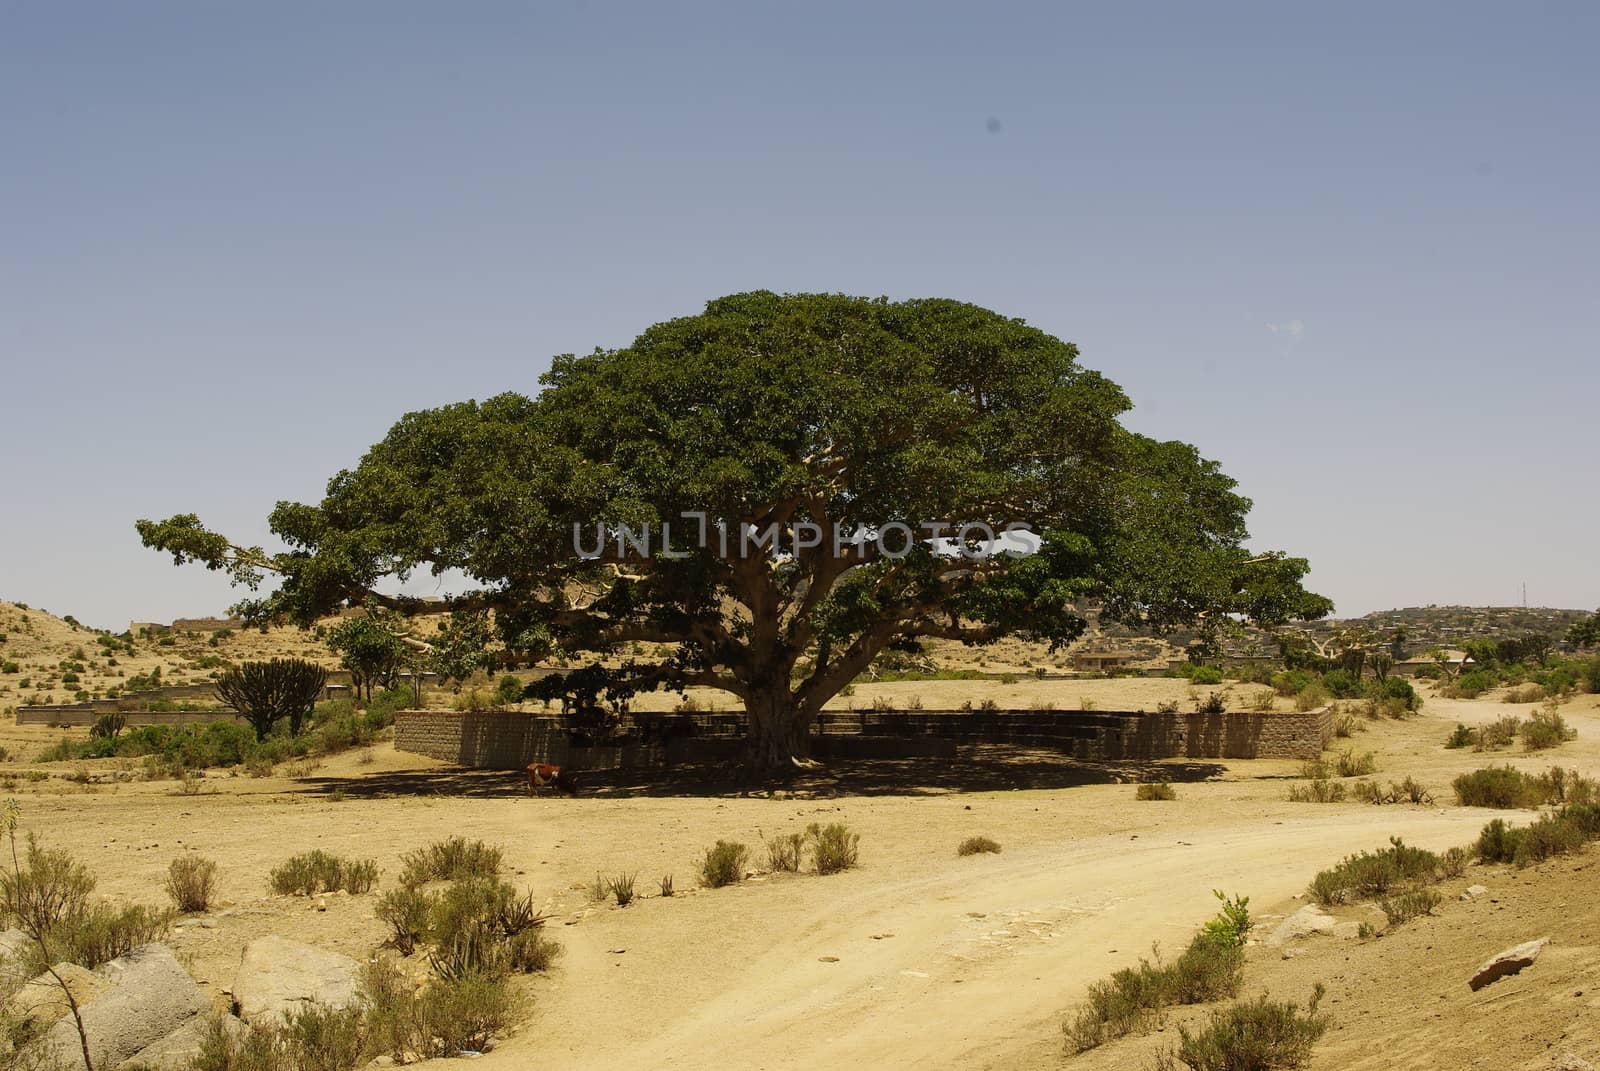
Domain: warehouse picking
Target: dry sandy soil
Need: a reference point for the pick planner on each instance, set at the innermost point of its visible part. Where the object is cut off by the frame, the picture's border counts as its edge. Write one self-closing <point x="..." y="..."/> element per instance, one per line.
<point x="918" y="958"/>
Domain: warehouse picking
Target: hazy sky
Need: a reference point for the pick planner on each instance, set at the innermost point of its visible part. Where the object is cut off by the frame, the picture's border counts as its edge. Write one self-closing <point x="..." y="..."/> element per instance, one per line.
<point x="1347" y="249"/>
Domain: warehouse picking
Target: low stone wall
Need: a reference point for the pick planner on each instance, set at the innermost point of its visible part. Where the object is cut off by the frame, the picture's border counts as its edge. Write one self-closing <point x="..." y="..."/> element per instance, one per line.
<point x="76" y="715"/>
<point x="509" y="740"/>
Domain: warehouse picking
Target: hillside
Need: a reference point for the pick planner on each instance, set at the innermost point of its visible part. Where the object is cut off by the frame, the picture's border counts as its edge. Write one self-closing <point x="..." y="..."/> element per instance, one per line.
<point x="50" y="659"/>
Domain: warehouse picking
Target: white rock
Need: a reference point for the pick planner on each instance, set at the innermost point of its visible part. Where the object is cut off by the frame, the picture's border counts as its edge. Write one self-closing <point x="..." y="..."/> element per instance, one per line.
<point x="1511" y="961"/>
<point x="1472" y="892"/>
<point x="277" y="974"/>
<point x="150" y="996"/>
<point x="1303" y="923"/>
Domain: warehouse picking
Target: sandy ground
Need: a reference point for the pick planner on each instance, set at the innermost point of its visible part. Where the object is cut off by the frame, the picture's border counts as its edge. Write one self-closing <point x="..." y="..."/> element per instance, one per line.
<point x="918" y="958"/>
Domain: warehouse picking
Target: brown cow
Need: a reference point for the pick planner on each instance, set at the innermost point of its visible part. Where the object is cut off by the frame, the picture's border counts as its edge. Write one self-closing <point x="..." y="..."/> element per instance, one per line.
<point x="544" y="775"/>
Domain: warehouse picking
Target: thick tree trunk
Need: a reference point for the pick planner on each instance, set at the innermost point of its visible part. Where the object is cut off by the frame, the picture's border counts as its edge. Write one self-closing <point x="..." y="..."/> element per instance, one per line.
<point x="779" y="733"/>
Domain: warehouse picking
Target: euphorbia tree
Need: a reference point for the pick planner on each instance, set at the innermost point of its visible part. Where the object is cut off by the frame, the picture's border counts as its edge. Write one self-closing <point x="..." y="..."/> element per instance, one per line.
<point x="780" y="489"/>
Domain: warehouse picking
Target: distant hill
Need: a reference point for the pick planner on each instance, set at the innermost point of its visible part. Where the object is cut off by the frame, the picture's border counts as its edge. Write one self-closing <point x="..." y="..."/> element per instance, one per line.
<point x="50" y="659"/>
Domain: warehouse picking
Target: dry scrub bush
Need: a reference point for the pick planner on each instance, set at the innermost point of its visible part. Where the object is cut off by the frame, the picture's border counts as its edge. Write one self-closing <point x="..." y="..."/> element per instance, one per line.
<point x="1546" y="729"/>
<point x="47" y="896"/>
<point x="1553" y="834"/>
<point x="1351" y="764"/>
<point x="1134" y="998"/>
<point x="191" y="880"/>
<point x="450" y="859"/>
<point x="785" y="851"/>
<point x="833" y="847"/>
<point x="1160" y="790"/>
<point x="1318" y="790"/>
<point x="1506" y="787"/>
<point x="723" y="864"/>
<point x="1256" y="1035"/>
<point x="1408" y="903"/>
<point x="406" y="910"/>
<point x="978" y="846"/>
<point x="1373" y="874"/>
<point x="318" y="871"/>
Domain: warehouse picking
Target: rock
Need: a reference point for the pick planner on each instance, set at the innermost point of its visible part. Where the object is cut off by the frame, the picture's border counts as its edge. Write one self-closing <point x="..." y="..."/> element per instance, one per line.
<point x="1571" y="1061"/>
<point x="1473" y="892"/>
<point x="178" y="1049"/>
<point x="40" y="1001"/>
<point x="1511" y="961"/>
<point x="1291" y="953"/>
<point x="14" y="944"/>
<point x="149" y="995"/>
<point x="1303" y="923"/>
<point x="277" y="974"/>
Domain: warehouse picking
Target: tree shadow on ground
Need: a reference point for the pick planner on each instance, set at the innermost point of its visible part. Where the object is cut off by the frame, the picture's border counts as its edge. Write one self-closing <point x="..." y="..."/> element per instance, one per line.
<point x="976" y="768"/>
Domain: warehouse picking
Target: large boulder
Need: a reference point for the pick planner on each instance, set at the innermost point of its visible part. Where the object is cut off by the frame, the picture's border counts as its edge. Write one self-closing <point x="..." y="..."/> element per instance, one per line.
<point x="277" y="975"/>
<point x="178" y="1049"/>
<point x="149" y="996"/>
<point x="1511" y="961"/>
<point x="40" y="1000"/>
<point x="14" y="945"/>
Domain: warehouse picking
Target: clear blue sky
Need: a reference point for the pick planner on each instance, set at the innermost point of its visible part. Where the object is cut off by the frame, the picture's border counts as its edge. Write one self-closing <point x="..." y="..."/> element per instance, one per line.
<point x="1348" y="249"/>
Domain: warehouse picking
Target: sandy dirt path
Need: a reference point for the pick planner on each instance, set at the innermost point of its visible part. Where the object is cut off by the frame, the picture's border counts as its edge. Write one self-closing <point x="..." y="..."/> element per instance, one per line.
<point x="958" y="966"/>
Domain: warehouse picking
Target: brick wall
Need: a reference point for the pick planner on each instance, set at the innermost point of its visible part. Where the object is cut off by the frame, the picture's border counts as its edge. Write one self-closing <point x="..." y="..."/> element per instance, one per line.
<point x="509" y="740"/>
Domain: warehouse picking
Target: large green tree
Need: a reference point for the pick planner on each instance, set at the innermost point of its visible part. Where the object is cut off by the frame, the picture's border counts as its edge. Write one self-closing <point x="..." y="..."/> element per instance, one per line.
<point x="906" y="423"/>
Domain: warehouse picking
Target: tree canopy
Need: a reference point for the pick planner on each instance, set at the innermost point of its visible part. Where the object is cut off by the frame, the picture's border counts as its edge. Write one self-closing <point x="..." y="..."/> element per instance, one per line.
<point x="895" y="429"/>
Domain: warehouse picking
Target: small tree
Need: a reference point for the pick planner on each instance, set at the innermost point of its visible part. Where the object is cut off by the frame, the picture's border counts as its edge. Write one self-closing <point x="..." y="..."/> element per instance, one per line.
<point x="265" y="692"/>
<point x="370" y="650"/>
<point x="36" y="899"/>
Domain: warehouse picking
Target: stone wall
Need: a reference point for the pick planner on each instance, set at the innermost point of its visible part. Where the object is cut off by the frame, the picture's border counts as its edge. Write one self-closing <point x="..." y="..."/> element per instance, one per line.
<point x="509" y="740"/>
<point x="75" y="714"/>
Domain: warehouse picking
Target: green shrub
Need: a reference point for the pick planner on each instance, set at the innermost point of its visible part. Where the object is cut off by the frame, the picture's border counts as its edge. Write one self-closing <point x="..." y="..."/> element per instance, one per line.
<point x="723" y="864"/>
<point x="1550" y="835"/>
<point x="407" y="911"/>
<point x="1206" y="675"/>
<point x="833" y="847"/>
<point x="509" y="690"/>
<point x="1504" y="787"/>
<point x="1497" y="842"/>
<point x="1215" y="703"/>
<point x="1341" y="683"/>
<point x="1461" y="736"/>
<point x="1471" y="685"/>
<point x="978" y="846"/>
<point x="1256" y="1035"/>
<point x="12" y="667"/>
<point x="191" y="881"/>
<point x="450" y="859"/>
<point x="1232" y="925"/>
<point x="1291" y="682"/>
<point x="318" y="871"/>
<point x="1395" y="688"/>
<point x="1373" y="874"/>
